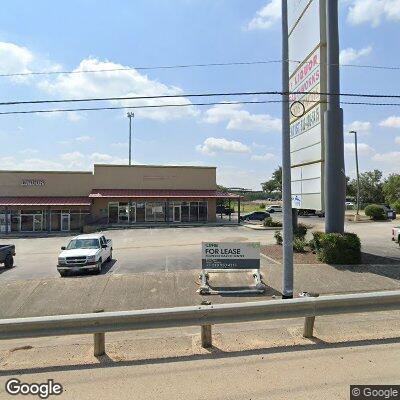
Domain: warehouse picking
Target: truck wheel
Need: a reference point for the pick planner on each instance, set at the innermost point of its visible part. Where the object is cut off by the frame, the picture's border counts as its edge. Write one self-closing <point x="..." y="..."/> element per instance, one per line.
<point x="9" y="261"/>
<point x="99" y="265"/>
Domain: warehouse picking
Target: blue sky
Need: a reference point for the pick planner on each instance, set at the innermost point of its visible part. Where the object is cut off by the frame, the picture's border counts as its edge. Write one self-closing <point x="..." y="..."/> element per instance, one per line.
<point x="243" y="141"/>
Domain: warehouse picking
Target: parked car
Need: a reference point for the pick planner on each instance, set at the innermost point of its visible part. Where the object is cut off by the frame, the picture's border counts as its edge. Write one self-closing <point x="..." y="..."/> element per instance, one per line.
<point x="85" y="253"/>
<point x="390" y="213"/>
<point x="255" y="216"/>
<point x="224" y="210"/>
<point x="7" y="253"/>
<point x="396" y="234"/>
<point x="273" y="209"/>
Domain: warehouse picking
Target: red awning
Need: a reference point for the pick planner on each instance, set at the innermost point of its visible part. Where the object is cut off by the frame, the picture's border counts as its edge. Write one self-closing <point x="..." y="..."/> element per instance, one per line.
<point x="161" y="193"/>
<point x="45" y="201"/>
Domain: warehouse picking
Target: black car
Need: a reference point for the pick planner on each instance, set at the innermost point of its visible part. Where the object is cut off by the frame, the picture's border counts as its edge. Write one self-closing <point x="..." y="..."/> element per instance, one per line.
<point x="255" y="216"/>
<point x="224" y="210"/>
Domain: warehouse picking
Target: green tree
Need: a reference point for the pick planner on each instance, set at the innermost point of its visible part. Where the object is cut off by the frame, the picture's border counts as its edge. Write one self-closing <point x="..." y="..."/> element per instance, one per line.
<point x="351" y="188"/>
<point x="275" y="183"/>
<point x="391" y="188"/>
<point x="371" y="187"/>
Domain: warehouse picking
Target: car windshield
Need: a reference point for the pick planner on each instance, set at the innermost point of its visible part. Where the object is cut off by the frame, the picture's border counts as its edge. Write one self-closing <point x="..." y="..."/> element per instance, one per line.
<point x="83" y="244"/>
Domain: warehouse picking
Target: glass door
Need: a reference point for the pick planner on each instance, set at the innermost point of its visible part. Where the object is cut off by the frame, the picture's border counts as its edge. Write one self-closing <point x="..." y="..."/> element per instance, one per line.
<point x="123" y="213"/>
<point x="177" y="213"/>
<point x="132" y="213"/>
<point x="65" y="222"/>
<point x="38" y="222"/>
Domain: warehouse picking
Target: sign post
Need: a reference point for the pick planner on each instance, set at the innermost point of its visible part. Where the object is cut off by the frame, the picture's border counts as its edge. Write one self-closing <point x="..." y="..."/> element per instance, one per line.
<point x="228" y="257"/>
<point x="287" y="278"/>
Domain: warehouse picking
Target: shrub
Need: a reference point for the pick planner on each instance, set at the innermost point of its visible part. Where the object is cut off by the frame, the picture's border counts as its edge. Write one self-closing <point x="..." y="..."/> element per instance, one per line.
<point x="396" y="206"/>
<point x="315" y="242"/>
<point x="262" y="205"/>
<point x="278" y="237"/>
<point x="336" y="248"/>
<point x="301" y="230"/>
<point x="270" y="222"/>
<point x="375" y="212"/>
<point x="299" y="244"/>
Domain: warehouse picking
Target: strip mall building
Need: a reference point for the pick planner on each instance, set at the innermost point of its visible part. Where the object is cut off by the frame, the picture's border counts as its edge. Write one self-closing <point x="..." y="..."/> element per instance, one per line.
<point x="37" y="201"/>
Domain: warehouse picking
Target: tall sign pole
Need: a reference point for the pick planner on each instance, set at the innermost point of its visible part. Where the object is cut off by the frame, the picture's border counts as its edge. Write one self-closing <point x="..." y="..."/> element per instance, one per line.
<point x="287" y="279"/>
<point x="335" y="177"/>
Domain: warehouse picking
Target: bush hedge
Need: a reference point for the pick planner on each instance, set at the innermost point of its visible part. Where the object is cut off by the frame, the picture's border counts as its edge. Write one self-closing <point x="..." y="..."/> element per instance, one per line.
<point x="278" y="237"/>
<point x="396" y="206"/>
<point x="271" y="223"/>
<point x="336" y="248"/>
<point x="299" y="244"/>
<point x="375" y="212"/>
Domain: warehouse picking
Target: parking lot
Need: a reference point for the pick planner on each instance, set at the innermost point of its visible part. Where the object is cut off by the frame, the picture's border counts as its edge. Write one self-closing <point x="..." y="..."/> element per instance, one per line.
<point x="172" y="249"/>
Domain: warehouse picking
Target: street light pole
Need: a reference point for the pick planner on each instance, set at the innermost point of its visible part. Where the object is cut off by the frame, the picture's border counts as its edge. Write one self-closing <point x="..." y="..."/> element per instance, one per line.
<point x="358" y="173"/>
<point x="130" y="115"/>
<point x="287" y="279"/>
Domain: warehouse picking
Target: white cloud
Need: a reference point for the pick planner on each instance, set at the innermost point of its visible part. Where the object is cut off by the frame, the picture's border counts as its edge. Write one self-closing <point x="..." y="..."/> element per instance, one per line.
<point x="14" y="58"/>
<point x="239" y="119"/>
<point x="363" y="149"/>
<point x="213" y="145"/>
<point x="120" y="144"/>
<point x="263" y="157"/>
<point x="28" y="151"/>
<point x="267" y="16"/>
<point x="390" y="157"/>
<point x="359" y="127"/>
<point x="29" y="164"/>
<point x="373" y="11"/>
<point x="73" y="159"/>
<point x="120" y="84"/>
<point x="391" y="122"/>
<point x="83" y="139"/>
<point x="350" y="55"/>
<point x="397" y="140"/>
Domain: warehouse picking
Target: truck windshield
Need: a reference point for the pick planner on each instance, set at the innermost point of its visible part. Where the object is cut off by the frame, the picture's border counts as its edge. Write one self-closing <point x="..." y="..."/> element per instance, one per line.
<point x="83" y="244"/>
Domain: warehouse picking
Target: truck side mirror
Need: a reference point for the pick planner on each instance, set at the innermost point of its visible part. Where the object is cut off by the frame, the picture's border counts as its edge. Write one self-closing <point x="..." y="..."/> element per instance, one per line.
<point x="63" y="248"/>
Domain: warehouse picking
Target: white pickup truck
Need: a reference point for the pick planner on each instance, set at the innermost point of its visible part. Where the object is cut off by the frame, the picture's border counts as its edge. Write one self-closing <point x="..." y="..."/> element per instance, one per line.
<point x="85" y="253"/>
<point x="396" y="234"/>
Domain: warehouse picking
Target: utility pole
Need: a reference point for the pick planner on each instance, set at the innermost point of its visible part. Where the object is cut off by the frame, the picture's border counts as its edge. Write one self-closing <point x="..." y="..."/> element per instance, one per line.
<point x="130" y="115"/>
<point x="335" y="177"/>
<point x="358" y="175"/>
<point x="287" y="279"/>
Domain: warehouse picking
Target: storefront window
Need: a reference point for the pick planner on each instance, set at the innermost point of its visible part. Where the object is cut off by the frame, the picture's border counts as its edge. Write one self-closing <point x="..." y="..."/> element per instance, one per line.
<point x="194" y="211"/>
<point x="185" y="207"/>
<point x="113" y="213"/>
<point x="140" y="212"/>
<point x="31" y="221"/>
<point x="123" y="213"/>
<point x="203" y="211"/>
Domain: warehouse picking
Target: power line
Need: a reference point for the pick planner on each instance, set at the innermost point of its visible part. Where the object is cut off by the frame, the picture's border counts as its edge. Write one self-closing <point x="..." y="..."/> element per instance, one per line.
<point x="136" y="107"/>
<point x="175" y="96"/>
<point x="181" y="105"/>
<point x="179" y="66"/>
<point x="183" y="66"/>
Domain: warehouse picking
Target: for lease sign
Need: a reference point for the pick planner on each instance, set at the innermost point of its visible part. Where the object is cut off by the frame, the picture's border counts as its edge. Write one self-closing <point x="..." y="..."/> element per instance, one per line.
<point x="229" y="255"/>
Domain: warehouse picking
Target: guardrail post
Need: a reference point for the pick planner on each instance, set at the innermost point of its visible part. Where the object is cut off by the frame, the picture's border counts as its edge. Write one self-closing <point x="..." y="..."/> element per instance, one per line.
<point x="206" y="332"/>
<point x="308" y="330"/>
<point x="99" y="341"/>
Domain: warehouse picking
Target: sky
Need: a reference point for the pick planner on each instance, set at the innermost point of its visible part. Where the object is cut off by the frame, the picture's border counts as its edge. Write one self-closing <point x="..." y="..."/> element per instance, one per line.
<point x="243" y="141"/>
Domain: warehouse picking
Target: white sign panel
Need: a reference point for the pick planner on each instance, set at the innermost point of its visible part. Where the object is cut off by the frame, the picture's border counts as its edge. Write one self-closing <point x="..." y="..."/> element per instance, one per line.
<point x="306" y="19"/>
<point x="306" y="35"/>
<point x="295" y="10"/>
<point x="227" y="255"/>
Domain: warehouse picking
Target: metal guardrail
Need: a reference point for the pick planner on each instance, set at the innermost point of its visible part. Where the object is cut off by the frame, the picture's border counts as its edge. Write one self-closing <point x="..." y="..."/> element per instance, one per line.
<point x="203" y="315"/>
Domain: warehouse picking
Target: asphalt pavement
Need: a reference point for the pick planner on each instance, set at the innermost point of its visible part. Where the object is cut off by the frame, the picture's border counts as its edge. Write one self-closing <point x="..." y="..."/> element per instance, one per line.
<point x="174" y="249"/>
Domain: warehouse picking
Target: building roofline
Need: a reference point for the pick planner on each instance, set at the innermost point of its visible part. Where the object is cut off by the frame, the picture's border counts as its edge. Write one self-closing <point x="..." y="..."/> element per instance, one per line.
<point x="44" y="171"/>
<point x="157" y="166"/>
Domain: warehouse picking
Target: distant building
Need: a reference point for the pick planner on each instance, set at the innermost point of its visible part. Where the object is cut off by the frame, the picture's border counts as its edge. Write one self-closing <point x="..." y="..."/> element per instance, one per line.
<point x="37" y="201"/>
